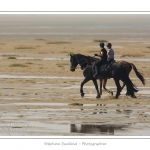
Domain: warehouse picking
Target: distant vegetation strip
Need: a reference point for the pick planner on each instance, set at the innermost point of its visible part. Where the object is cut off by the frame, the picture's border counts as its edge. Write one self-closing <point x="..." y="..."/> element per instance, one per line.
<point x="40" y="39"/>
<point x="132" y="55"/>
<point x="100" y="41"/>
<point x="18" y="65"/>
<point x="24" y="47"/>
<point x="11" y="57"/>
<point x="58" y="42"/>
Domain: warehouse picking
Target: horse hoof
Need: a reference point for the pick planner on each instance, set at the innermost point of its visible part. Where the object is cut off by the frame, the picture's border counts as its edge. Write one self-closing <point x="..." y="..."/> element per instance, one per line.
<point x="82" y="94"/>
<point x="116" y="97"/>
<point x="133" y="96"/>
<point x="110" y="92"/>
<point x="98" y="96"/>
<point x="127" y="94"/>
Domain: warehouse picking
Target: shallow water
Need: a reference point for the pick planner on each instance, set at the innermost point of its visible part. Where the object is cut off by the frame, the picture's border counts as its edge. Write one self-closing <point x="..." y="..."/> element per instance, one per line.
<point x="37" y="77"/>
<point x="88" y="119"/>
<point x="68" y="58"/>
<point x="41" y="104"/>
<point x="43" y="77"/>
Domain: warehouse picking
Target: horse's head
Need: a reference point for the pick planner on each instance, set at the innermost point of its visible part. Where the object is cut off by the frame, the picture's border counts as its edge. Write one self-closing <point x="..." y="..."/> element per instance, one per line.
<point x="73" y="62"/>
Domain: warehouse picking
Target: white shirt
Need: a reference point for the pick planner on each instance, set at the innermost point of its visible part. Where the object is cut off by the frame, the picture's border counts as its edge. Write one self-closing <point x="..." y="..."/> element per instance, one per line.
<point x="111" y="53"/>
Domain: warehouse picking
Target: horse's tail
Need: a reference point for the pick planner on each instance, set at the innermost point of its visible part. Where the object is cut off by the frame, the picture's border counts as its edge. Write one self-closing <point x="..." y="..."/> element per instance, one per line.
<point x="138" y="74"/>
<point x="134" y="88"/>
<point x="130" y="86"/>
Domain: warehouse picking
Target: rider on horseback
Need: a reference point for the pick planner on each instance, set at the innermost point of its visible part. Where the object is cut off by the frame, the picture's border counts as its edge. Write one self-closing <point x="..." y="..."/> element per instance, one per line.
<point x="103" y="60"/>
<point x="110" y="55"/>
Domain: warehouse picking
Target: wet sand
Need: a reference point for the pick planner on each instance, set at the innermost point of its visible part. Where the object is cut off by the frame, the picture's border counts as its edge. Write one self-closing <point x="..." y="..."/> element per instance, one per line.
<point x="40" y="95"/>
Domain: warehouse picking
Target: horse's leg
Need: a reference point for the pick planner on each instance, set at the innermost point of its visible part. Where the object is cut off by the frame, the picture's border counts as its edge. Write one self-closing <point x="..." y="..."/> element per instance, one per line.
<point x="101" y="82"/>
<point x="130" y="87"/>
<point x="96" y="87"/>
<point x="118" y="87"/>
<point x="127" y="87"/>
<point x="123" y="86"/>
<point x="104" y="86"/>
<point x="81" y="87"/>
<point x="128" y="91"/>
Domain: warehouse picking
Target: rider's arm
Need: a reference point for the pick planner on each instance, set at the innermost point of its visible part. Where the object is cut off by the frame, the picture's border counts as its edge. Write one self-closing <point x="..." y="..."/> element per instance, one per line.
<point x="101" y="54"/>
<point x="108" y="53"/>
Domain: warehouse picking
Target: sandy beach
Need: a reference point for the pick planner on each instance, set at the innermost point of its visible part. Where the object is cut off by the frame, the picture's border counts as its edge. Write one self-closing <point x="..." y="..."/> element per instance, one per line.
<point x="39" y="94"/>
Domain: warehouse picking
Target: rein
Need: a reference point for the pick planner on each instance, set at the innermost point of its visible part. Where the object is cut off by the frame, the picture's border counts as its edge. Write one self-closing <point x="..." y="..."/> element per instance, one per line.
<point x="80" y="65"/>
<point x="87" y="60"/>
<point x="77" y="67"/>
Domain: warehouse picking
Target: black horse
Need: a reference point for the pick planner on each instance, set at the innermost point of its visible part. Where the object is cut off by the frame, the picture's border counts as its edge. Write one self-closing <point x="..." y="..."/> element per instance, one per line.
<point x="117" y="71"/>
<point x="129" y="67"/>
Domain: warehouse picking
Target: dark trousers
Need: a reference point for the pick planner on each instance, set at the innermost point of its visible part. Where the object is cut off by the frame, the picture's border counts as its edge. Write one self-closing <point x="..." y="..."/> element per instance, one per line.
<point x="97" y="64"/>
<point x="109" y="61"/>
<point x="100" y="62"/>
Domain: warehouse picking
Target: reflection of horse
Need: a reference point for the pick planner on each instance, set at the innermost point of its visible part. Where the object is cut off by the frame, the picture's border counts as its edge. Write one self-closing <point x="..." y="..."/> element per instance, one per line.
<point x="84" y="128"/>
<point x="118" y="71"/>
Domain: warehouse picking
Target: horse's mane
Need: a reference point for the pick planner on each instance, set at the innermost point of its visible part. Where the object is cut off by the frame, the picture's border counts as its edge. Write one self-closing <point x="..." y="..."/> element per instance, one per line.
<point x="89" y="59"/>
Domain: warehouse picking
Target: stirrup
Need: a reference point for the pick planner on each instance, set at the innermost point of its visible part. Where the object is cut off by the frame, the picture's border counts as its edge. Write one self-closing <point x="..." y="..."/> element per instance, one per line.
<point x="94" y="75"/>
<point x="106" y="69"/>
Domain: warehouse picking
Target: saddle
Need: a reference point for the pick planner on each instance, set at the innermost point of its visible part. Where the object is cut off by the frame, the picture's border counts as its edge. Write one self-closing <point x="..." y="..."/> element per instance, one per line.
<point x="101" y="68"/>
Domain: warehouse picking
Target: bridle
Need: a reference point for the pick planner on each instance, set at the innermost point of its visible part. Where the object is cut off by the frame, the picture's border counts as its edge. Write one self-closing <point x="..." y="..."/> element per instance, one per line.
<point x="81" y="64"/>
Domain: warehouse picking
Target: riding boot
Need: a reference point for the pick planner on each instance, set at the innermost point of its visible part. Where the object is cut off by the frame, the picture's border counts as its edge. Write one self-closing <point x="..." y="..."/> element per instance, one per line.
<point x="107" y="65"/>
<point x="96" y="71"/>
<point x="105" y="68"/>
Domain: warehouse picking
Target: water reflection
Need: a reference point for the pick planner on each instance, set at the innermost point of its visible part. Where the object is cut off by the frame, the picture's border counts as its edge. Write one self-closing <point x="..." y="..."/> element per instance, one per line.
<point x="104" y="110"/>
<point x="94" y="129"/>
<point x="115" y="109"/>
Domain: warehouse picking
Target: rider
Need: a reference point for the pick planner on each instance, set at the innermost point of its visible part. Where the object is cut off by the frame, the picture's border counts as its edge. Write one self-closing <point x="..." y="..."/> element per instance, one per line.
<point x="110" y="55"/>
<point x="103" y="56"/>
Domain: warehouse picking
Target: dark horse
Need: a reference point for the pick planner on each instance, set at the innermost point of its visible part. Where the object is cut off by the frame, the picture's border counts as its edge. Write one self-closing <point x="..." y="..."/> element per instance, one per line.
<point x="117" y="71"/>
<point x="129" y="67"/>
